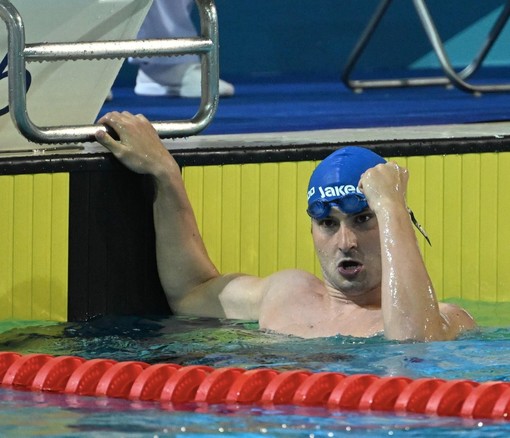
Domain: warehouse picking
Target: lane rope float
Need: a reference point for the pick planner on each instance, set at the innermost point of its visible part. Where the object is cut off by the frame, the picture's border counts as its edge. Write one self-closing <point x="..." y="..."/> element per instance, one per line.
<point x="166" y="382"/>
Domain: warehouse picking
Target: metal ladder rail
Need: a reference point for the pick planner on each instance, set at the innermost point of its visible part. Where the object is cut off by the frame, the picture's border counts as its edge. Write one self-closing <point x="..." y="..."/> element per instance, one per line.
<point x="451" y="76"/>
<point x="19" y="53"/>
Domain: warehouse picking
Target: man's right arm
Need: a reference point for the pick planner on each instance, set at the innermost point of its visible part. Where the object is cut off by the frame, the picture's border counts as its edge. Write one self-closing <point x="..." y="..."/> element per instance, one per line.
<point x="189" y="278"/>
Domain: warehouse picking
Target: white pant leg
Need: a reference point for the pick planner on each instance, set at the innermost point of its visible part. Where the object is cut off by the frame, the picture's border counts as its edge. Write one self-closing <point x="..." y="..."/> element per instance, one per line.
<point x="168" y="19"/>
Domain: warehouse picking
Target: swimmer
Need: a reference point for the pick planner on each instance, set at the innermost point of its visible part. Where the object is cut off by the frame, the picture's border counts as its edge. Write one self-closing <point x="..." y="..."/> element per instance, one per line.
<point x="374" y="278"/>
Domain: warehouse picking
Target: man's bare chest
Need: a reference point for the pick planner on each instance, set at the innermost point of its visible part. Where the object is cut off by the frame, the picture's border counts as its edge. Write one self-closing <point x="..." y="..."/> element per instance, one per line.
<point x="315" y="320"/>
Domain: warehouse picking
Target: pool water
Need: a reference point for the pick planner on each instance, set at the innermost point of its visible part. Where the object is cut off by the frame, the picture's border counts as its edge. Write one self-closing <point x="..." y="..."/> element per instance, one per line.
<point x="481" y="356"/>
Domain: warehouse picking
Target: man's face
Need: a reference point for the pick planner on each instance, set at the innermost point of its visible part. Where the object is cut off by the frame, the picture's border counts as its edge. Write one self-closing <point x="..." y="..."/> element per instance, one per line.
<point x="349" y="251"/>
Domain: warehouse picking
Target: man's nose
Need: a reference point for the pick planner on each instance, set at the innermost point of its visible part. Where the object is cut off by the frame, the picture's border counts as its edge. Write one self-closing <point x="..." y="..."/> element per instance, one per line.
<point x="347" y="239"/>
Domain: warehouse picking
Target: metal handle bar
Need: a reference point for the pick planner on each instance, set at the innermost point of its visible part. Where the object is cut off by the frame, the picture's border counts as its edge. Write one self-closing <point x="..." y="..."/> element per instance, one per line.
<point x="20" y="53"/>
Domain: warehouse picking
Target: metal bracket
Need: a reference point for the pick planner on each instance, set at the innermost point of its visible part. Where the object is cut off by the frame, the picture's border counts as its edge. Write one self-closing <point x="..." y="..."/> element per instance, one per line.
<point x="20" y="53"/>
<point x="451" y="76"/>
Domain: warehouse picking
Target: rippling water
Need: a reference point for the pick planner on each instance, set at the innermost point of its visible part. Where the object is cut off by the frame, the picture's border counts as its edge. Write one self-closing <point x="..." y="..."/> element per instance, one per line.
<point x="481" y="356"/>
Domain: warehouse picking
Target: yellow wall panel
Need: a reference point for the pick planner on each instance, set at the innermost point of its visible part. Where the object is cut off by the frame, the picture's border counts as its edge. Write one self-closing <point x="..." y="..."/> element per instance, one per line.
<point x="268" y="245"/>
<point x="250" y="219"/>
<point x="286" y="218"/>
<point x="231" y="218"/>
<point x="434" y="210"/>
<point x="33" y="257"/>
<point x="253" y="220"/>
<point x="503" y="242"/>
<point x="470" y="212"/>
<point x="22" y="255"/>
<point x="41" y="248"/>
<point x="452" y="226"/>
<point x="59" y="246"/>
<point x="461" y="200"/>
<point x="6" y="245"/>
<point x="487" y="260"/>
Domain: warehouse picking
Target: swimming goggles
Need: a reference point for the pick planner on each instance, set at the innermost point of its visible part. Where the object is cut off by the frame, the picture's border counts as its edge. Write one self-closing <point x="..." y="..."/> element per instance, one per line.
<point x="351" y="204"/>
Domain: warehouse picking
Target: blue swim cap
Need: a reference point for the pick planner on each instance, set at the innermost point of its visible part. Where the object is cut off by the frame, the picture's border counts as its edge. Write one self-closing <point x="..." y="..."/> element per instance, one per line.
<point x="335" y="181"/>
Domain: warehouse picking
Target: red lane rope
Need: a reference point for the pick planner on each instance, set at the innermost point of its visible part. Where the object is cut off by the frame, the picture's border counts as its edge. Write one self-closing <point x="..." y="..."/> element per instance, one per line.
<point x="197" y="383"/>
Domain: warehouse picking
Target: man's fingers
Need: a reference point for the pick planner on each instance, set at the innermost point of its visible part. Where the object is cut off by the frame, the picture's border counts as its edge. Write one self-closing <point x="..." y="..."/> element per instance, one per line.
<point x="108" y="137"/>
<point x="142" y="117"/>
<point x="107" y="140"/>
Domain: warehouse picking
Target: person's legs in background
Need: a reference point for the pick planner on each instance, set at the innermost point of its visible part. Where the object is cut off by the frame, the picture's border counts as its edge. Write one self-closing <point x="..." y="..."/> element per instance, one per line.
<point x="176" y="75"/>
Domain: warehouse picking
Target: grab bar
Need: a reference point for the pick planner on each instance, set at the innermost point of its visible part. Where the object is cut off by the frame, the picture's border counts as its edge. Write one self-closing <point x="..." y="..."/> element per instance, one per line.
<point x="19" y="53"/>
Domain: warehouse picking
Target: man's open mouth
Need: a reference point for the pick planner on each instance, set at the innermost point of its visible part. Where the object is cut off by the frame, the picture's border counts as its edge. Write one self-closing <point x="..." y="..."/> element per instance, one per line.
<point x="349" y="268"/>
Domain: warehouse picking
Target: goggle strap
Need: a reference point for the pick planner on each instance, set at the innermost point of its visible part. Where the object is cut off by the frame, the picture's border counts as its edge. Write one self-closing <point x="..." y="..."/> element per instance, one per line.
<point x="417" y="225"/>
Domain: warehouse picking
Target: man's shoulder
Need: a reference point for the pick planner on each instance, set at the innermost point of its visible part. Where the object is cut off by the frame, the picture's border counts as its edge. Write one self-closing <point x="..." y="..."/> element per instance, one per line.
<point x="291" y="294"/>
<point x="295" y="276"/>
<point x="457" y="315"/>
<point x="451" y="307"/>
<point x="279" y="283"/>
<point x="295" y="283"/>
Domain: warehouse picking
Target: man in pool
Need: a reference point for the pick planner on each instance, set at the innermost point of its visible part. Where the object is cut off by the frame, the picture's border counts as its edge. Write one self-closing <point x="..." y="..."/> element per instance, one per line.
<point x="375" y="280"/>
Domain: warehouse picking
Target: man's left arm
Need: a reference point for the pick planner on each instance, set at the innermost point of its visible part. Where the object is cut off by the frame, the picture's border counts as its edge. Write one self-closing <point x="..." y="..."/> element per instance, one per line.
<point x="408" y="299"/>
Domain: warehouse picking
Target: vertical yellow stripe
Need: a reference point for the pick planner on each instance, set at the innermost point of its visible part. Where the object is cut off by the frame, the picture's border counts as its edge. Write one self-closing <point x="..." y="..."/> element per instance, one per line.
<point x="22" y="254"/>
<point x="503" y="244"/>
<point x="488" y="233"/>
<point x="59" y="246"/>
<point x="470" y="226"/>
<point x="433" y="220"/>
<point x="230" y="219"/>
<point x="268" y="247"/>
<point x="317" y="265"/>
<point x="287" y="216"/>
<point x="211" y="223"/>
<point x="41" y="249"/>
<point x="6" y="245"/>
<point x="452" y="226"/>
<point x="305" y="254"/>
<point x="250" y="219"/>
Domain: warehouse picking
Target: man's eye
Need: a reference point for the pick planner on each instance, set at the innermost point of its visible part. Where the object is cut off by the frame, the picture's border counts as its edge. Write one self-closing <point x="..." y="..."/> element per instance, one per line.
<point x="363" y="218"/>
<point x="327" y="223"/>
